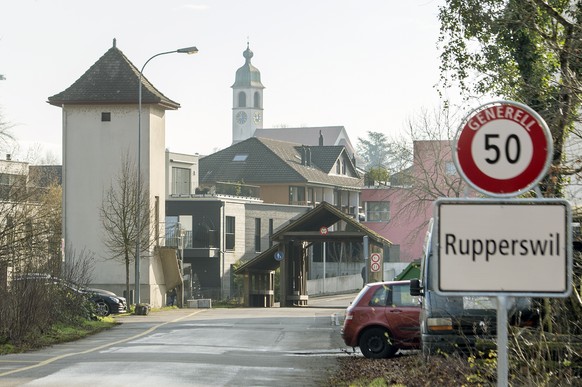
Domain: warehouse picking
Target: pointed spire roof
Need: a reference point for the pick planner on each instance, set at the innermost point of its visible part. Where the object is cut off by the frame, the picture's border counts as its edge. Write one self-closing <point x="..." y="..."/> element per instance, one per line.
<point x="248" y="75"/>
<point x="113" y="79"/>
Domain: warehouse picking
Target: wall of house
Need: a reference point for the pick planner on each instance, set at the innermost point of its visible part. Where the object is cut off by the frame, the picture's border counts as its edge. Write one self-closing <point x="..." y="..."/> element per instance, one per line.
<point x="92" y="157"/>
<point x="185" y="161"/>
<point x="404" y="228"/>
<point x="275" y="194"/>
<point x="237" y="210"/>
<point x="280" y="214"/>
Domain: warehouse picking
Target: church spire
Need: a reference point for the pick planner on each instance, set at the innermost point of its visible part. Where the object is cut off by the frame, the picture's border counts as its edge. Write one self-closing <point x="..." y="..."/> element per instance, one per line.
<point x="247" y="108"/>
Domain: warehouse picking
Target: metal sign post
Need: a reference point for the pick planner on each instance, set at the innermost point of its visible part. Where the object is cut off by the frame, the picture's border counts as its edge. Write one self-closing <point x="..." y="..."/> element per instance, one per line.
<point x="502" y="361"/>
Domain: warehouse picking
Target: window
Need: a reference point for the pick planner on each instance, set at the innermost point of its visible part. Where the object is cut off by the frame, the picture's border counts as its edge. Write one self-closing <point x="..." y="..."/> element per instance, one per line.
<point x="380" y="296"/>
<point x="257" y="234"/>
<point x="106" y="116"/>
<point x="181" y="181"/>
<point x="401" y="296"/>
<point x="338" y="167"/>
<point x="296" y="195"/>
<point x="257" y="99"/>
<point x="377" y="211"/>
<point x="450" y="168"/>
<point x="229" y="231"/>
<point x="242" y="99"/>
<point x="240" y="157"/>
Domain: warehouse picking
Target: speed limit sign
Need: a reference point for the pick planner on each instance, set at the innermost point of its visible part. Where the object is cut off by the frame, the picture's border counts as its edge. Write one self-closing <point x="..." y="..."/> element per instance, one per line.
<point x="503" y="148"/>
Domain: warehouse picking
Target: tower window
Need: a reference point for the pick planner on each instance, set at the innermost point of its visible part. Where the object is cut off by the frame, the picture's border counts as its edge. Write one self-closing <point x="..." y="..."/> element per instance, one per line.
<point x="257" y="99"/>
<point x="105" y="116"/>
<point x="242" y="99"/>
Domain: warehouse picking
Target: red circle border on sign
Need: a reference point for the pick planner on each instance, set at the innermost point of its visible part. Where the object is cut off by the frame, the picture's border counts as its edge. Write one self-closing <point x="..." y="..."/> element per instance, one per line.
<point x="515" y="185"/>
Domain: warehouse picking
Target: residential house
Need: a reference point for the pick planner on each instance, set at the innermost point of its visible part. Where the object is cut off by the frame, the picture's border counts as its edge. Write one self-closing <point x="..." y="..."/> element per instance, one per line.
<point x="287" y="173"/>
<point x="400" y="210"/>
<point x="215" y="228"/>
<point x="245" y="193"/>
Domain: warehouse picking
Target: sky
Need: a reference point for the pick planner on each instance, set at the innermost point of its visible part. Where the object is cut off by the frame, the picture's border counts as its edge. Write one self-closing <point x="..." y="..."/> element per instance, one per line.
<point x="367" y="65"/>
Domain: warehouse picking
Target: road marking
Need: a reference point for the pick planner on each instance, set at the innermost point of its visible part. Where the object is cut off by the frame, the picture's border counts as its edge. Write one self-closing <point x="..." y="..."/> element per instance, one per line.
<point x="53" y="359"/>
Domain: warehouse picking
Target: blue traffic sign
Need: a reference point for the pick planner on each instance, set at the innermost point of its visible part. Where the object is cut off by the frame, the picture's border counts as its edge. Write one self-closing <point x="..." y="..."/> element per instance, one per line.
<point x="279" y="255"/>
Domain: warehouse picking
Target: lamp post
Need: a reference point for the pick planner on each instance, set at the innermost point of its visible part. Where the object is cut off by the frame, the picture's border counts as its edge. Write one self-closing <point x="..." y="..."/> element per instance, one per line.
<point x="187" y="50"/>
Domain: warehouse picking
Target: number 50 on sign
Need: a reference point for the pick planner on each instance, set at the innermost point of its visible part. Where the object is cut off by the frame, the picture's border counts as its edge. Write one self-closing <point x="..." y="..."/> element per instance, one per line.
<point x="503" y="148"/>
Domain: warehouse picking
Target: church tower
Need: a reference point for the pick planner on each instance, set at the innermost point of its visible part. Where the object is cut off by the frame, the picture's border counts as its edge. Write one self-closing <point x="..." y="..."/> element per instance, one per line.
<point x="247" y="101"/>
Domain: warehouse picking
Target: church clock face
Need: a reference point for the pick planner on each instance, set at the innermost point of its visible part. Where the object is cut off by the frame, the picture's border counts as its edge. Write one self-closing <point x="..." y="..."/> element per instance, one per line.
<point x="241" y="118"/>
<point x="257" y="118"/>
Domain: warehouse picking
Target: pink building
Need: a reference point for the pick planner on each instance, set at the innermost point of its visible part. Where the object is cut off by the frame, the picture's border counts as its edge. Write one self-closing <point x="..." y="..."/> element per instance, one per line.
<point x="401" y="210"/>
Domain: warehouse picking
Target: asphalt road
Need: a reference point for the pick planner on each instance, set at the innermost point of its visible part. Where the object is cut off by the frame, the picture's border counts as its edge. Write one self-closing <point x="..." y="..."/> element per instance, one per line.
<point x="196" y="347"/>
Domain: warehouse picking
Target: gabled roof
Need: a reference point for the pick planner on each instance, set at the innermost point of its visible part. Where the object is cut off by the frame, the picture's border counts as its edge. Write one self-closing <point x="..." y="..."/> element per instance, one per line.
<point x="331" y="135"/>
<point x="326" y="215"/>
<point x="113" y="79"/>
<point x="264" y="161"/>
<point x="306" y="227"/>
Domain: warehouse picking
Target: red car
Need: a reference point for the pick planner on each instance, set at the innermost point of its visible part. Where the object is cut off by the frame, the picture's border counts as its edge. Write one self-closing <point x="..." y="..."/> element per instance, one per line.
<point x="382" y="319"/>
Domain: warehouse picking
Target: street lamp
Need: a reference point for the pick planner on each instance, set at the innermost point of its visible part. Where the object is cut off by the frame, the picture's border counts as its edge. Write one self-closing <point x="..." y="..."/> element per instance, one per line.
<point x="187" y="50"/>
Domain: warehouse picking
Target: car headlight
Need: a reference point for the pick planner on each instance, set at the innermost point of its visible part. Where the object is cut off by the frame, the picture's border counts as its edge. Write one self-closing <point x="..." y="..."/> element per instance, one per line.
<point x="115" y="300"/>
<point x="439" y="324"/>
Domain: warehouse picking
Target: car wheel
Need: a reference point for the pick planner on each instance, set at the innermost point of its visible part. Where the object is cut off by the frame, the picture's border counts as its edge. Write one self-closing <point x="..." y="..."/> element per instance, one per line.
<point x="102" y="308"/>
<point x="375" y="343"/>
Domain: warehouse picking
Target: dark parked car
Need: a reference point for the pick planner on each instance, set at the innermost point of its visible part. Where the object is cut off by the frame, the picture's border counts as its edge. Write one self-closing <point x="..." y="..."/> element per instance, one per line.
<point x="382" y="319"/>
<point x="106" y="302"/>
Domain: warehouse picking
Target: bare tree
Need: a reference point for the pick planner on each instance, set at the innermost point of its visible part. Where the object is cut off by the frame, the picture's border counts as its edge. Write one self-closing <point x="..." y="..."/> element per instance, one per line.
<point x="30" y="220"/>
<point x="6" y="137"/>
<point x="429" y="172"/>
<point x="30" y="254"/>
<point x="123" y="202"/>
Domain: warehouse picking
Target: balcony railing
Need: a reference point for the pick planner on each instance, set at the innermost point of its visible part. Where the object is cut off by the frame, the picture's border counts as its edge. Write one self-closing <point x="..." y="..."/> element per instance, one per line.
<point x="231" y="189"/>
<point x="197" y="239"/>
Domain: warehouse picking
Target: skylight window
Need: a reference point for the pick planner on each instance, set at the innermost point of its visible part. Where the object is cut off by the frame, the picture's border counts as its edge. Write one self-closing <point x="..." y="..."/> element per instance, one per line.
<point x="240" y="157"/>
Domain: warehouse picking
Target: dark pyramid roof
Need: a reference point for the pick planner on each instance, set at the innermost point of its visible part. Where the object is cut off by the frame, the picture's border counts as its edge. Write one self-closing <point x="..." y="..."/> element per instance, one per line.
<point x="113" y="79"/>
<point x="270" y="161"/>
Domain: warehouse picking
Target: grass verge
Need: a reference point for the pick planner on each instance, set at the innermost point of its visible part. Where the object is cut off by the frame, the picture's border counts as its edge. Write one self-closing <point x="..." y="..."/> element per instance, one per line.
<point x="58" y="333"/>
